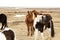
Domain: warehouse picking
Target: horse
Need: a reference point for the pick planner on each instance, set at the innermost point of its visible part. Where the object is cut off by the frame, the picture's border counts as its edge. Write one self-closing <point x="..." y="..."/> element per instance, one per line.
<point x="41" y="21"/>
<point x="3" y="20"/>
<point x="7" y="34"/>
<point x="29" y="22"/>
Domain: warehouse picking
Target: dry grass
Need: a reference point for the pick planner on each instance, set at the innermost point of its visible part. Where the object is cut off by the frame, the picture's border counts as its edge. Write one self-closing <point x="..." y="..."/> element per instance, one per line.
<point x="19" y="26"/>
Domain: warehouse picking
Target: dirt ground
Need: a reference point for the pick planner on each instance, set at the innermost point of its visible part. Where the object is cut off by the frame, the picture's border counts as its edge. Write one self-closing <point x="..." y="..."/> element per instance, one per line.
<point x="20" y="29"/>
<point x="21" y="32"/>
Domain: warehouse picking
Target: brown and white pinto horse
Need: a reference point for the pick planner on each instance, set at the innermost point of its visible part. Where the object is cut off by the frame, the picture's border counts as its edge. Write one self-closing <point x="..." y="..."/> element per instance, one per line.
<point x="29" y="22"/>
<point x="41" y="21"/>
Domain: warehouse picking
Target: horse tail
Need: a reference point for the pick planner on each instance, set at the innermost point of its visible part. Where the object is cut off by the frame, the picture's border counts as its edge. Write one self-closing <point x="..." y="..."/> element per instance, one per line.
<point x="5" y="21"/>
<point x="52" y="29"/>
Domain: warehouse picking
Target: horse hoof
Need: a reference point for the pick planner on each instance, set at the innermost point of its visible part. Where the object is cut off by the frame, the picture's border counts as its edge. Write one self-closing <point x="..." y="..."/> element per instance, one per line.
<point x="31" y="34"/>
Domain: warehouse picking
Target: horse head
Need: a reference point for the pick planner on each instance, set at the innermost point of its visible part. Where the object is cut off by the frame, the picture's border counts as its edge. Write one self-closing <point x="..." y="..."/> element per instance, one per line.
<point x="45" y="18"/>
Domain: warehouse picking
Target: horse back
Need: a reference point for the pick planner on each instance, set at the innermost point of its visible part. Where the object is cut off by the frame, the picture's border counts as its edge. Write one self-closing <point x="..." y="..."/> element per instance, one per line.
<point x="29" y="19"/>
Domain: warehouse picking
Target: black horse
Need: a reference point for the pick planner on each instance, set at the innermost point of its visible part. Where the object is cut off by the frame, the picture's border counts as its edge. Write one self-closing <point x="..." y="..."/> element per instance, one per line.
<point x="3" y="20"/>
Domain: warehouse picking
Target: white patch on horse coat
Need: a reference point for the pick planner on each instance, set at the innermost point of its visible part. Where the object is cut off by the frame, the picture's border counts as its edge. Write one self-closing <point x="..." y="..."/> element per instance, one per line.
<point x="44" y="16"/>
<point x="37" y="19"/>
<point x="44" y="27"/>
<point x="36" y="34"/>
<point x="49" y="32"/>
<point x="42" y="35"/>
<point x="49" y="29"/>
<point x="7" y="28"/>
<point x="2" y="36"/>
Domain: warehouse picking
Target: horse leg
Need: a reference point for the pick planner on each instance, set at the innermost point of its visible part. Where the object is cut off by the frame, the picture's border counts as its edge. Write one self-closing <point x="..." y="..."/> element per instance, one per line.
<point x="42" y="34"/>
<point x="28" y="30"/>
<point x="32" y="30"/>
<point x="36" y="34"/>
<point x="49" y="29"/>
<point x="2" y="26"/>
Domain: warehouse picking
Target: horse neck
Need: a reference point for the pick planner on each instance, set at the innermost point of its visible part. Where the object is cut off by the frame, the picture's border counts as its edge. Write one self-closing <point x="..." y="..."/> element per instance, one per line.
<point x="33" y="16"/>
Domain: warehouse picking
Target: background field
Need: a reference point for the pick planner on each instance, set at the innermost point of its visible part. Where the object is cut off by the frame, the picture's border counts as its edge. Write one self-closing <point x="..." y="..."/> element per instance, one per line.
<point x="19" y="26"/>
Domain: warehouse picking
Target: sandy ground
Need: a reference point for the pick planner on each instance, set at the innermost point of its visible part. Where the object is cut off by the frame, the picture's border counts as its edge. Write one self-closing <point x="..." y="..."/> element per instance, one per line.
<point x="19" y="26"/>
<point x="20" y="29"/>
<point x="21" y="32"/>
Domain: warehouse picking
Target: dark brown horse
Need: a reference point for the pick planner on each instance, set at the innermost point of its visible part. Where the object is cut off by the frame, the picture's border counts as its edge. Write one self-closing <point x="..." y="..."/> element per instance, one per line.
<point x="29" y="22"/>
